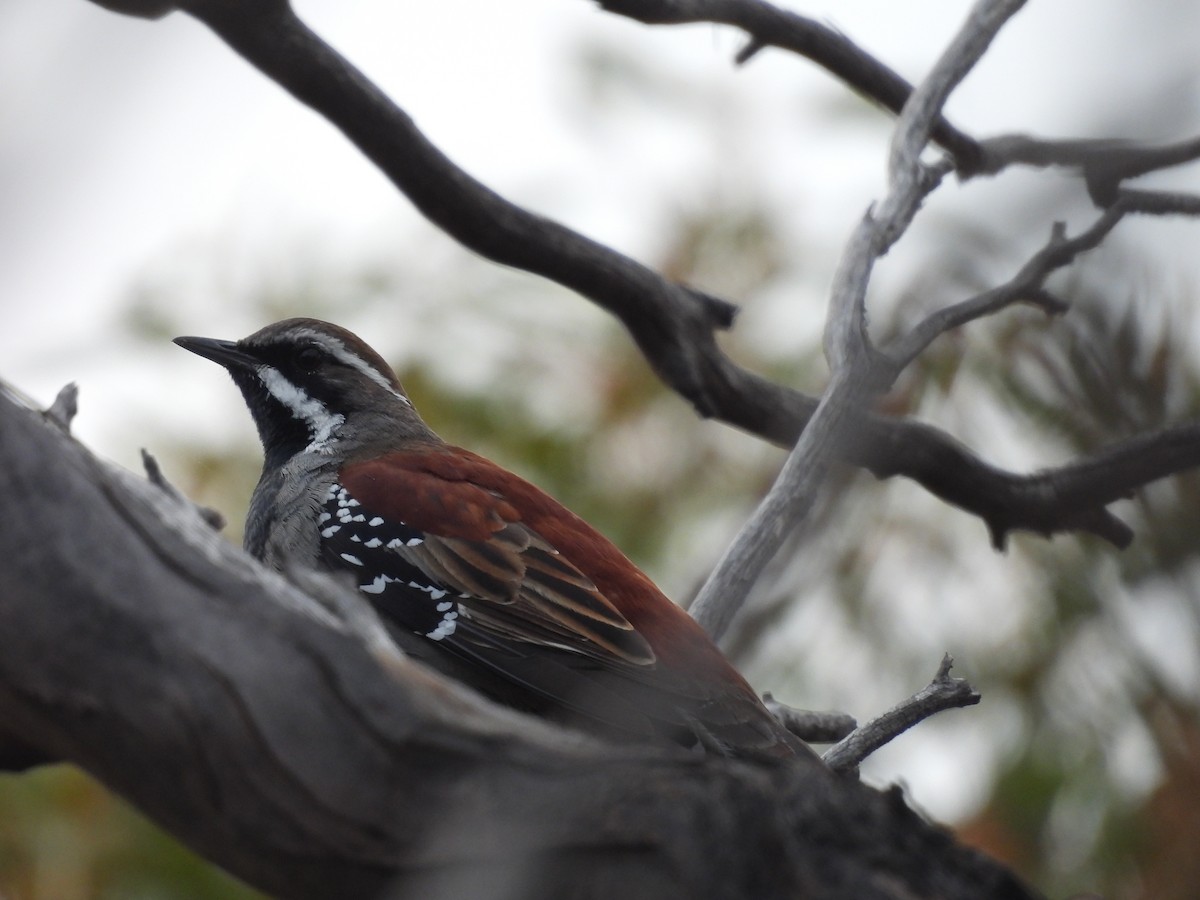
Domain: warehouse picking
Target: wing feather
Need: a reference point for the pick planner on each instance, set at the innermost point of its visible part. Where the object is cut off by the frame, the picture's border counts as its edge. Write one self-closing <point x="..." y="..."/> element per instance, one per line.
<point x="511" y="579"/>
<point x="489" y="568"/>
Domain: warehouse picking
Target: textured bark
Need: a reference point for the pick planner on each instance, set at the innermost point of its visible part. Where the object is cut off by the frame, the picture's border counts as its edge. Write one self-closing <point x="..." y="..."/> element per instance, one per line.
<point x="283" y="738"/>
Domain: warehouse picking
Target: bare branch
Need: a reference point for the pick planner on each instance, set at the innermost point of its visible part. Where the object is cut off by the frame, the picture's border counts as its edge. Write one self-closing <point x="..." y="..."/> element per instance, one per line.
<point x="770" y="26"/>
<point x="1158" y="203"/>
<point x="154" y="473"/>
<point x="941" y="694"/>
<point x="1025" y="287"/>
<point x="809" y="725"/>
<point x="1069" y="498"/>
<point x="787" y="504"/>
<point x="1102" y="161"/>
<point x="673" y="326"/>
<point x="923" y="109"/>
<point x="851" y="356"/>
<point x="846" y="339"/>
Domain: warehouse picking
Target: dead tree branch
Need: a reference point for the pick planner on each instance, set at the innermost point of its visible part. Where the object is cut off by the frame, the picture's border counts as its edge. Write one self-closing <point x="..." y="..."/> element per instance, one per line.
<point x="939" y="695"/>
<point x="852" y="357"/>
<point x="287" y="740"/>
<point x="769" y="26"/>
<point x="675" y="326"/>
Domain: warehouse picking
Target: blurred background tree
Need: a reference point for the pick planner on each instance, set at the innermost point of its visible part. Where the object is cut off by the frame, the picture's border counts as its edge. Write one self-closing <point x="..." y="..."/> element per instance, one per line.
<point x="1081" y="766"/>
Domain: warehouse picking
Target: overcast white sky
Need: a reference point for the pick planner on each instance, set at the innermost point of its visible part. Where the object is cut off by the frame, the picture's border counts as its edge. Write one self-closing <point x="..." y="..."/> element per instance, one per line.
<point x="123" y="141"/>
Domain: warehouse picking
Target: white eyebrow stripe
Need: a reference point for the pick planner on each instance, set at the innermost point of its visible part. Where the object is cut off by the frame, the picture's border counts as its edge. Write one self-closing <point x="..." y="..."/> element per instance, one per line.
<point x="339" y="352"/>
<point x="320" y="421"/>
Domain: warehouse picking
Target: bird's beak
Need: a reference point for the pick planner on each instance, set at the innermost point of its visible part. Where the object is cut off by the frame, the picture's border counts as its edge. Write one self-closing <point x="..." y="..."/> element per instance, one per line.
<point x="226" y="353"/>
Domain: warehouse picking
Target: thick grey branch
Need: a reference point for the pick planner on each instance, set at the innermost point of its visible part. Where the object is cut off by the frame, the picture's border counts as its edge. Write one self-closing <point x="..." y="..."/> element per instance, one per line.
<point x="285" y="739"/>
<point x="1104" y="161"/>
<point x="786" y="504"/>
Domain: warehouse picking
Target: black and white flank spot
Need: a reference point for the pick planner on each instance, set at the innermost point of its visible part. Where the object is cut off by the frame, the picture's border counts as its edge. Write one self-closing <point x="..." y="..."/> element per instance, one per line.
<point x="367" y="546"/>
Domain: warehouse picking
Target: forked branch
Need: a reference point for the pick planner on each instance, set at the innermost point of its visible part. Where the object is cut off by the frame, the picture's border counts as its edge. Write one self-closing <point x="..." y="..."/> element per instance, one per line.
<point x="673" y="325"/>
<point x="941" y="694"/>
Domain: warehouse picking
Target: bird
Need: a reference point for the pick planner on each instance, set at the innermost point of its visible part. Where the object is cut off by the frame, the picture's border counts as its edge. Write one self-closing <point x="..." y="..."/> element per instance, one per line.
<point x="483" y="576"/>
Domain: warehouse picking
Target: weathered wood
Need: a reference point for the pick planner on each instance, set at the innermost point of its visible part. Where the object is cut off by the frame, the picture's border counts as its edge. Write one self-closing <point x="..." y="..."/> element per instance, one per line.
<point x="282" y="737"/>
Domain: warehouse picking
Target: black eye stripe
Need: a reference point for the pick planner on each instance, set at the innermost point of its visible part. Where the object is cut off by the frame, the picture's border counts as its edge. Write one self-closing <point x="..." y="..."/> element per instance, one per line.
<point x="309" y="357"/>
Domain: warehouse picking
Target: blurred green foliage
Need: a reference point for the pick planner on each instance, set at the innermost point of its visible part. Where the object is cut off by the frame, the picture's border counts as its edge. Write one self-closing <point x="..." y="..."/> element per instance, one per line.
<point x="64" y="837"/>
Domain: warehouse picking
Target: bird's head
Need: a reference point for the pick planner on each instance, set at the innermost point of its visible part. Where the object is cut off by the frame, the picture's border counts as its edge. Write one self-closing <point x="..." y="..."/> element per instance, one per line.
<point x="314" y="387"/>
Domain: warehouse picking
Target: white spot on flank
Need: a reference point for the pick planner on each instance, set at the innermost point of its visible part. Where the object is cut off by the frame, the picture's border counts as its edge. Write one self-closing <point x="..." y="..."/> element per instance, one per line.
<point x="352" y="502"/>
<point x="323" y="518"/>
<point x="375" y="522"/>
<point x="434" y="593"/>
<point x="331" y="531"/>
<point x="353" y="560"/>
<point x="414" y="542"/>
<point x="320" y="421"/>
<point x="446" y="626"/>
<point x="444" y="629"/>
<point x="394" y="543"/>
<point x="373" y="543"/>
<point x="377" y="586"/>
<point x="356" y="538"/>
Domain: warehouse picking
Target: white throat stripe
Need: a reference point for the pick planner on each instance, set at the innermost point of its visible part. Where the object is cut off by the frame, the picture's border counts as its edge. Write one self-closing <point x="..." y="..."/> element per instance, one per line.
<point x="313" y="413"/>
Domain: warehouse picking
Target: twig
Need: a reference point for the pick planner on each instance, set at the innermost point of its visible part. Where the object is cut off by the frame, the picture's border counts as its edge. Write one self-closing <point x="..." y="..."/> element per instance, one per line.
<point x="65" y="407"/>
<point x="941" y="694"/>
<point x="155" y="476"/>
<point x="810" y="725"/>
<point x="1024" y="287"/>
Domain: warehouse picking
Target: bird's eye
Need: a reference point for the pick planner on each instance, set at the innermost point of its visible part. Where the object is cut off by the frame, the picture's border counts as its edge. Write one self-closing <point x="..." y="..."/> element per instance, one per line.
<point x="308" y="358"/>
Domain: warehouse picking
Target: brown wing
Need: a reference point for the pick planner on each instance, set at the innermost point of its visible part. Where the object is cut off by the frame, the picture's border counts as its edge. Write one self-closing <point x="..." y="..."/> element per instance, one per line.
<point x="512" y="581"/>
<point x="550" y="605"/>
